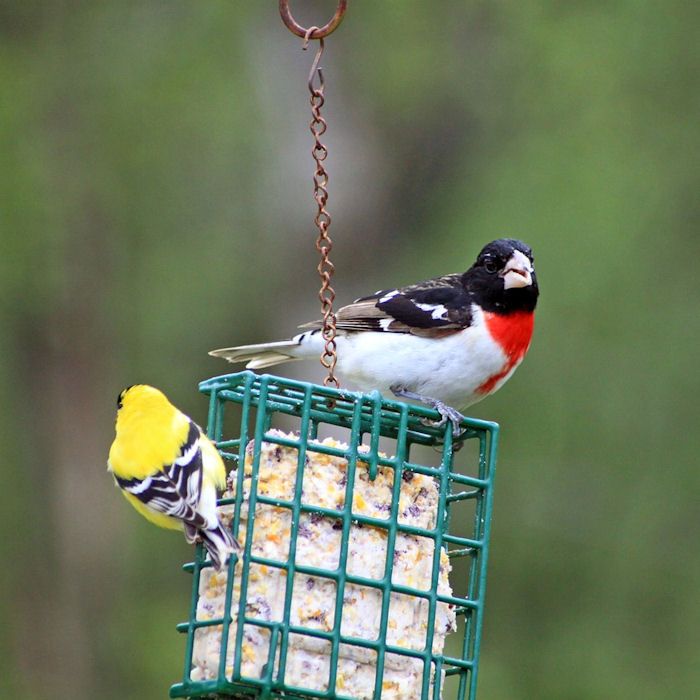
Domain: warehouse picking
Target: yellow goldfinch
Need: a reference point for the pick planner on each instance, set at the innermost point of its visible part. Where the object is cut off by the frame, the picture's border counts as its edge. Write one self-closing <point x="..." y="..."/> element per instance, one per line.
<point x="169" y="470"/>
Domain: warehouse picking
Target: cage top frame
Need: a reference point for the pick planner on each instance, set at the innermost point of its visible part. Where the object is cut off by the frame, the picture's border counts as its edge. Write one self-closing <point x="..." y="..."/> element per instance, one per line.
<point x="380" y="416"/>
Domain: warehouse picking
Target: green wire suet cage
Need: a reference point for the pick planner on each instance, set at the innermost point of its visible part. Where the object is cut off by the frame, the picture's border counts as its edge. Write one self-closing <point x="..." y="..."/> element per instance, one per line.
<point x="387" y="441"/>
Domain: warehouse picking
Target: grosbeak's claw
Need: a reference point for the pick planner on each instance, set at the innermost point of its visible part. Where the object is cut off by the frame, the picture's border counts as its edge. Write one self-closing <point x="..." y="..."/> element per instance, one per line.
<point x="447" y="413"/>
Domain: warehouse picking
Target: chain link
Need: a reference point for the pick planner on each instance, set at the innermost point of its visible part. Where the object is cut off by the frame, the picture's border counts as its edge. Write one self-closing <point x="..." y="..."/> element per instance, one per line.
<point x="324" y="244"/>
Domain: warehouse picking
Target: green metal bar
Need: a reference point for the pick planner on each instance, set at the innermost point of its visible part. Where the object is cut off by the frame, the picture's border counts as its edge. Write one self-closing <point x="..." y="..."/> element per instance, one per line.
<point x="437" y="679"/>
<point x="267" y="678"/>
<point x="250" y="527"/>
<point x="189" y="645"/>
<point x="294" y="533"/>
<point x="375" y="434"/>
<point x="235" y="525"/>
<point x="464" y="666"/>
<point x="386" y="582"/>
<point x="447" y="455"/>
<point x="485" y="533"/>
<point x="478" y="564"/>
<point x="344" y="544"/>
<point x="463" y="495"/>
<point x="226" y="624"/>
<point x="466" y="650"/>
<point x="472" y="544"/>
<point x="223" y="444"/>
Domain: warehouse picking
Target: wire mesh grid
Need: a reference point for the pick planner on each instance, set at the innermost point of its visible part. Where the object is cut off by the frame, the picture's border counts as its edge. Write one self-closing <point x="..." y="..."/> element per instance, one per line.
<point x="245" y="410"/>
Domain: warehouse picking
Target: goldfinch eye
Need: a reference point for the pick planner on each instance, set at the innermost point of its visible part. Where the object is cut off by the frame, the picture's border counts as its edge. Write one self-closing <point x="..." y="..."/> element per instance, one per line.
<point x="490" y="266"/>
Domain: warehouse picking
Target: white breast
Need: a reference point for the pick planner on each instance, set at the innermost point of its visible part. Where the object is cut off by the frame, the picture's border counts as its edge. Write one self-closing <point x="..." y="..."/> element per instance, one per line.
<point x="449" y="369"/>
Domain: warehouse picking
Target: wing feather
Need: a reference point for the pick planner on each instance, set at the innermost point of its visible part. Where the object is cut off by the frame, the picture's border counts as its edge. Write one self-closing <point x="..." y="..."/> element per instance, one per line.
<point x="434" y="308"/>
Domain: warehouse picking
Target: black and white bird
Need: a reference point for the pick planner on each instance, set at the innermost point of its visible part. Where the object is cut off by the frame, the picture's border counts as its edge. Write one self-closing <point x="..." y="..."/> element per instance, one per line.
<point x="447" y="342"/>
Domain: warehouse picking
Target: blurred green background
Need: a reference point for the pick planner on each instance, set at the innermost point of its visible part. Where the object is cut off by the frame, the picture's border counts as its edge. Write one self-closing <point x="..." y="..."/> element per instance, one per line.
<point x="155" y="203"/>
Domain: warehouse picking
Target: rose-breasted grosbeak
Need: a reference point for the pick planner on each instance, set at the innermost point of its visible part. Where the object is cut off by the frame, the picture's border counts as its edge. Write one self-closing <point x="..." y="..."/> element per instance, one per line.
<point x="449" y="341"/>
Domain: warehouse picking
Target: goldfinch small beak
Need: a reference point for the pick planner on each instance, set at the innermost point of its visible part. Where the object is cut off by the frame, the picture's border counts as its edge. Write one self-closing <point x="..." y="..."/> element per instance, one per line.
<point x="517" y="272"/>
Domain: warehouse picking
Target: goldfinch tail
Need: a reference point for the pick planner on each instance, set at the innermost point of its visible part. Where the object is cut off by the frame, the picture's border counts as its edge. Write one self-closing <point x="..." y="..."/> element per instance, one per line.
<point x="262" y="354"/>
<point x="220" y="544"/>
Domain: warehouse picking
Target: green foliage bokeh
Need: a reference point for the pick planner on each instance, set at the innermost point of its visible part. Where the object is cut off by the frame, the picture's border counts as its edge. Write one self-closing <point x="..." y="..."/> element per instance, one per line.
<point x="155" y="202"/>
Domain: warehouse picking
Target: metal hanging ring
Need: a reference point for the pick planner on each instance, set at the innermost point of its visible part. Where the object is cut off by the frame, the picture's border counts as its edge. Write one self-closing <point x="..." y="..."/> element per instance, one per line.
<point x="314" y="32"/>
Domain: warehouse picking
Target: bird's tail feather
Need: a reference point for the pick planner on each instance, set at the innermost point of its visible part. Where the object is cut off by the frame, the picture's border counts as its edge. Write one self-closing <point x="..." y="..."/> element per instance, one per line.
<point x="190" y="533"/>
<point x="260" y="355"/>
<point x="220" y="544"/>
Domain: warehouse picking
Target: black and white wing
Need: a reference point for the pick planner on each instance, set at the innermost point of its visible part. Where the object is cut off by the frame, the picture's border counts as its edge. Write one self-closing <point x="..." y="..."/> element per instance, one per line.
<point x="176" y="490"/>
<point x="434" y="308"/>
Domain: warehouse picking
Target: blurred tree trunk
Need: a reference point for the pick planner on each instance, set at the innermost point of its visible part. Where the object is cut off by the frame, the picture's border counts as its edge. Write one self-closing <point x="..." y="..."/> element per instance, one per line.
<point x="64" y="351"/>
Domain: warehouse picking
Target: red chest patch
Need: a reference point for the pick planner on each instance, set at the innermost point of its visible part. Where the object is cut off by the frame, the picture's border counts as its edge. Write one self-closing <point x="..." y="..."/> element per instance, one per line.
<point x="513" y="333"/>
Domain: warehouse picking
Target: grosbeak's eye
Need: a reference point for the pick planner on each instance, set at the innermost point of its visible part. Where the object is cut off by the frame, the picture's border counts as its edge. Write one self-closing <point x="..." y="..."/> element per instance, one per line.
<point x="490" y="266"/>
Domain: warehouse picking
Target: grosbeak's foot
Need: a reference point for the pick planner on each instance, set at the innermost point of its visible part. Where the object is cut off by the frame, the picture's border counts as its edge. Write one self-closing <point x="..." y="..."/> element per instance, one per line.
<point x="446" y="412"/>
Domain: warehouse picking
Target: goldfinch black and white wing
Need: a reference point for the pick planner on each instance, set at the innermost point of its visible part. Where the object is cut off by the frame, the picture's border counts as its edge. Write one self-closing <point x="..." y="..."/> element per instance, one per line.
<point x="176" y="490"/>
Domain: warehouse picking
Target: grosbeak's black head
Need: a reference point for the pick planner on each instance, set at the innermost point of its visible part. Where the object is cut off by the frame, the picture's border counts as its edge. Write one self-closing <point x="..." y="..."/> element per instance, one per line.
<point x="503" y="277"/>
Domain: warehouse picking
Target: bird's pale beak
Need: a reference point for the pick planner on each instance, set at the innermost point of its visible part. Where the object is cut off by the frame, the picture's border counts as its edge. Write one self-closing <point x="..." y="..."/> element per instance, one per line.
<point x="517" y="272"/>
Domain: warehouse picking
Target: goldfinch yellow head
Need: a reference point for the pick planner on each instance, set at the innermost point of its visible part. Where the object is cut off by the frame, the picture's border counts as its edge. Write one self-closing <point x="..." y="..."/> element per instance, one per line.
<point x="140" y="394"/>
<point x="145" y="413"/>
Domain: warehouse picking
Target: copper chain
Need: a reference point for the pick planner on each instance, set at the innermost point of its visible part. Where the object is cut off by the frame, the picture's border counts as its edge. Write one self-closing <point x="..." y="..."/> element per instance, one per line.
<point x="324" y="244"/>
<point x="318" y="126"/>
